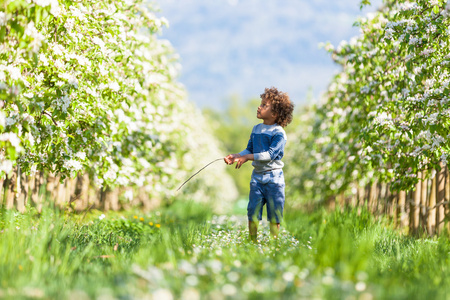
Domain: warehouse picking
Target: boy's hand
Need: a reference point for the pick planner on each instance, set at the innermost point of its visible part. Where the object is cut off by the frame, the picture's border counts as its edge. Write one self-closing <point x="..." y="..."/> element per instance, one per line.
<point x="230" y="159"/>
<point x="241" y="160"/>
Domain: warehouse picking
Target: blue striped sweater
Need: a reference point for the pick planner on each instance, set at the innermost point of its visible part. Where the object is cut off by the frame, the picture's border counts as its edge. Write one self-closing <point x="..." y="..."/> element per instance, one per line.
<point x="266" y="143"/>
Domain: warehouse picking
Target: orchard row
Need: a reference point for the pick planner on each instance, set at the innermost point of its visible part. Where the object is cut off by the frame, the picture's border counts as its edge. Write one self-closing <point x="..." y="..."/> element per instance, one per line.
<point x="385" y="116"/>
<point x="88" y="87"/>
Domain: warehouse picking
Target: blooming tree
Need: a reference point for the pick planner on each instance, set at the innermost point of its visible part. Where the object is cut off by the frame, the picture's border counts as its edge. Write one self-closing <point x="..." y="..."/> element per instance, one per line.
<point x="88" y="86"/>
<point x="385" y="116"/>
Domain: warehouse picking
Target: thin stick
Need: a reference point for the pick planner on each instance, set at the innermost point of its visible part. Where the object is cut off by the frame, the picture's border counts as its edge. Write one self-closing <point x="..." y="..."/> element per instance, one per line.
<point x="198" y="172"/>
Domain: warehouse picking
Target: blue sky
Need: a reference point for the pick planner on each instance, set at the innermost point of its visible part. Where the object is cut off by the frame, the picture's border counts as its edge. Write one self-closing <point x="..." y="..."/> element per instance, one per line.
<point x="239" y="47"/>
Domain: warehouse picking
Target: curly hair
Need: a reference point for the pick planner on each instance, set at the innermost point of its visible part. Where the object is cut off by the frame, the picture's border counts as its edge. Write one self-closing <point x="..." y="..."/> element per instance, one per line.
<point x="281" y="105"/>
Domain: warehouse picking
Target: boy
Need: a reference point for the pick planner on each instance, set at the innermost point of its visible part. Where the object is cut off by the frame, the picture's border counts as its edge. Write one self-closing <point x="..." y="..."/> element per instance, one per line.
<point x="266" y="148"/>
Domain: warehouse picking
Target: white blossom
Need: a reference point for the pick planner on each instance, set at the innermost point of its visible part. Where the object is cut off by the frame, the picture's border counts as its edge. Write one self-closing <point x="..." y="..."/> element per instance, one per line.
<point x="114" y="86"/>
<point x="73" y="165"/>
<point x="96" y="40"/>
<point x="9" y="121"/>
<point x="69" y="24"/>
<point x="14" y="72"/>
<point x="434" y="2"/>
<point x="43" y="3"/>
<point x="55" y="9"/>
<point x="36" y="36"/>
<point x="6" y="166"/>
<point x="3" y="18"/>
<point x="63" y="103"/>
<point x="43" y="59"/>
<point x="10" y="137"/>
<point x="57" y="49"/>
<point x="59" y="64"/>
<point x="91" y="92"/>
<point x="81" y="155"/>
<point x="77" y="13"/>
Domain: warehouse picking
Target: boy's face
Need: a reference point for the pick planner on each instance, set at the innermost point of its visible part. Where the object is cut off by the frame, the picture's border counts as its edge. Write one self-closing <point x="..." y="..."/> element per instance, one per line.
<point x="265" y="112"/>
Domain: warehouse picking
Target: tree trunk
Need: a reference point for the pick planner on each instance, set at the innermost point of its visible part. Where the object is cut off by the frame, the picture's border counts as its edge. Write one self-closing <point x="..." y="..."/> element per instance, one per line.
<point x="390" y="203"/>
<point x="354" y="197"/>
<point x="10" y="189"/>
<point x="431" y="218"/>
<point x="367" y="196"/>
<point x="414" y="209"/>
<point x="50" y="186"/>
<point x="440" y="199"/>
<point x="81" y="196"/>
<point x="341" y="200"/>
<point x="423" y="201"/>
<point x="409" y="199"/>
<point x="60" y="192"/>
<point x="394" y="205"/>
<point x="21" y="194"/>
<point x="401" y="208"/>
<point x="110" y="199"/>
<point x="361" y="195"/>
<point x="31" y="188"/>
<point x="447" y="197"/>
<point x="330" y="203"/>
<point x="373" y="197"/>
<point x="382" y="198"/>
<point x="95" y="198"/>
<point x="69" y="191"/>
<point x="2" y="189"/>
<point x="40" y="192"/>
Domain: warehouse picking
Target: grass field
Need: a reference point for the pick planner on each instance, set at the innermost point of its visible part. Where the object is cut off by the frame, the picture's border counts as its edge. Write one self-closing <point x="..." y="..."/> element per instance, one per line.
<point x="186" y="252"/>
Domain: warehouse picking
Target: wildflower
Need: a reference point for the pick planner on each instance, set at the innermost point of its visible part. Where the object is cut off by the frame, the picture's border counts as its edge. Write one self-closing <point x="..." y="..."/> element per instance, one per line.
<point x="150" y="223"/>
<point x="135" y="217"/>
<point x="158" y="225"/>
<point x="102" y="216"/>
<point x="141" y="218"/>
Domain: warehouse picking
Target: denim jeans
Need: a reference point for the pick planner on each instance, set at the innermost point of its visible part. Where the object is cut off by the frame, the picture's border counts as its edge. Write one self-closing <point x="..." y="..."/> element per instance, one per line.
<point x="266" y="188"/>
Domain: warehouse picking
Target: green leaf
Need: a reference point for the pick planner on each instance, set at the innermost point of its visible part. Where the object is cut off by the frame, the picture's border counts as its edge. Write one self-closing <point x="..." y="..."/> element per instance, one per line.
<point x="35" y="60"/>
<point x="2" y="33"/>
<point x="436" y="9"/>
<point x="12" y="154"/>
<point x="37" y="15"/>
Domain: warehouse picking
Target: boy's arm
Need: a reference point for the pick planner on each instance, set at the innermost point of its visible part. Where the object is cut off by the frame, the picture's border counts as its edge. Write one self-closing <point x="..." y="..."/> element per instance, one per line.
<point x="276" y="146"/>
<point x="243" y="159"/>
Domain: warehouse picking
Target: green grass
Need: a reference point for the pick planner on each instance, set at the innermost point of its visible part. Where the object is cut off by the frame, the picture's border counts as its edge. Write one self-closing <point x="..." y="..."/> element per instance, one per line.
<point x="185" y="251"/>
